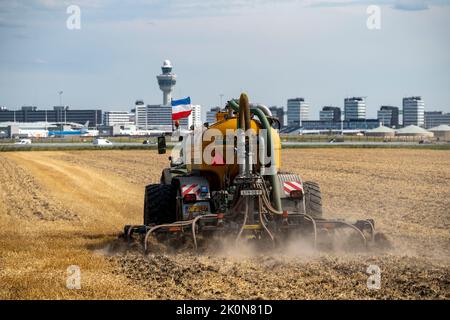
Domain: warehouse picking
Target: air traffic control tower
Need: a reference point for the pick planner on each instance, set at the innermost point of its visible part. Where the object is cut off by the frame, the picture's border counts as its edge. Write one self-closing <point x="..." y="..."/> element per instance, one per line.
<point x="166" y="81"/>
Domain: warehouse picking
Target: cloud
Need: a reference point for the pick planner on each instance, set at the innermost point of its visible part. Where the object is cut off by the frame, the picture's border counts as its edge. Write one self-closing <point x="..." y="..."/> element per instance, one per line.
<point x="40" y="61"/>
<point x="61" y="4"/>
<point x="164" y="8"/>
<point x="9" y="24"/>
<point x="411" y="5"/>
<point x="139" y="8"/>
<point x="320" y="4"/>
<point x="406" y="5"/>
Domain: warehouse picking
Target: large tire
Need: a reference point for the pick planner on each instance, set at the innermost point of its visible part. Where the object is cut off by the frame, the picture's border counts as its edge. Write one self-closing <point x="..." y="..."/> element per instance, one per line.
<point x="313" y="199"/>
<point x="159" y="204"/>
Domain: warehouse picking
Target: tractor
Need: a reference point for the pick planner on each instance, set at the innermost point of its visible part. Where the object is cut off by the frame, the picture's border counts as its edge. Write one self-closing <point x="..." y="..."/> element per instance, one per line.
<point x="225" y="182"/>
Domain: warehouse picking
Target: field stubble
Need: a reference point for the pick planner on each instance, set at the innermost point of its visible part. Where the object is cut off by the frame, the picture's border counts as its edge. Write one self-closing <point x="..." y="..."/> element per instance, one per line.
<point x="64" y="208"/>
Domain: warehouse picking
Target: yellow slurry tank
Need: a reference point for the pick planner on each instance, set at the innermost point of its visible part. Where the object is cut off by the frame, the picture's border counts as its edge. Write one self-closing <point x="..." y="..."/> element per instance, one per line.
<point x="223" y="156"/>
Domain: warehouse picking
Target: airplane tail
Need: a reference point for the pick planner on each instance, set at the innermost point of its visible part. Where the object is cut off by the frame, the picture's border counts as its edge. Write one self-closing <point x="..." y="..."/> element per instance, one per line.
<point x="85" y="128"/>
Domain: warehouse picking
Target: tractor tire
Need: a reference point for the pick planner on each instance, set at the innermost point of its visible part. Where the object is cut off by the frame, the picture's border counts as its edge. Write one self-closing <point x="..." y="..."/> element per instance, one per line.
<point x="313" y="199"/>
<point x="159" y="204"/>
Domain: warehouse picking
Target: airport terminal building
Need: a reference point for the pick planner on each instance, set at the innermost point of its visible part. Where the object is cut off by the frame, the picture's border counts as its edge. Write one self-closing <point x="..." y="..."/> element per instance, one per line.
<point x="59" y="114"/>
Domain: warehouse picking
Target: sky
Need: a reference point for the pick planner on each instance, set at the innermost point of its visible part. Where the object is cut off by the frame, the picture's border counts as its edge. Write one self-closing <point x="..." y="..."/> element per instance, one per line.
<point x="273" y="50"/>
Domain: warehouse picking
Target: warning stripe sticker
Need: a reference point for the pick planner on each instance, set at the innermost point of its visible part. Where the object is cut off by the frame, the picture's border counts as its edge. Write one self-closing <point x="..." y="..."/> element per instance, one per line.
<point x="189" y="188"/>
<point x="289" y="186"/>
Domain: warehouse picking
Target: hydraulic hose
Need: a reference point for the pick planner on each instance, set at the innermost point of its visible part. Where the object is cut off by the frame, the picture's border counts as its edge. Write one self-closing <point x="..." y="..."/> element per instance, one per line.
<point x="240" y="137"/>
<point x="245" y="120"/>
<point x="264" y="109"/>
<point x="233" y="104"/>
<point x="273" y="176"/>
<point x="245" y="110"/>
<point x="265" y="124"/>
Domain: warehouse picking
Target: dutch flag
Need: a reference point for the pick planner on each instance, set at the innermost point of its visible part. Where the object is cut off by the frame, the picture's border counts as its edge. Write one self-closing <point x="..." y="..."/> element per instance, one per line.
<point x="181" y="108"/>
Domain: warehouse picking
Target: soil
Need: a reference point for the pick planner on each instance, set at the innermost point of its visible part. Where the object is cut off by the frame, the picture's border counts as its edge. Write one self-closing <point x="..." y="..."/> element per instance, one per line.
<point x="67" y="208"/>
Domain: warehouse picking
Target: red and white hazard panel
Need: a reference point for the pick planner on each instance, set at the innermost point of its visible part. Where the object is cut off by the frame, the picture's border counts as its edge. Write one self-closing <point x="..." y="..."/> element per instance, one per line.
<point x="289" y="186"/>
<point x="189" y="189"/>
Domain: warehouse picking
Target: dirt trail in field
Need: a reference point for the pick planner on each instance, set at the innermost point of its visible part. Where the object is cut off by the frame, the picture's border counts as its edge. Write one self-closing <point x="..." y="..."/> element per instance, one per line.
<point x="25" y="197"/>
<point x="63" y="208"/>
<point x="93" y="194"/>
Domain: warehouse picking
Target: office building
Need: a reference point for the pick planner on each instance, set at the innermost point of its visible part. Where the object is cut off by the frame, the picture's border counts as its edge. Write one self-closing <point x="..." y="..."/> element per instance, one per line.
<point x="58" y="114"/>
<point x="388" y="116"/>
<point x="195" y="118"/>
<point x="354" y="108"/>
<point x="330" y="113"/>
<point x="211" y="115"/>
<point x="111" y="118"/>
<point x="278" y="112"/>
<point x="140" y="114"/>
<point x="157" y="117"/>
<point x="413" y="111"/>
<point x="297" y="111"/>
<point x="436" y="118"/>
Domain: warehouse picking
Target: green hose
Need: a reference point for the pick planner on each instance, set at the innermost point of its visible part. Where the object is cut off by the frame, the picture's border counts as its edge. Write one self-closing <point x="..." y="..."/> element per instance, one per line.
<point x="273" y="177"/>
<point x="235" y="106"/>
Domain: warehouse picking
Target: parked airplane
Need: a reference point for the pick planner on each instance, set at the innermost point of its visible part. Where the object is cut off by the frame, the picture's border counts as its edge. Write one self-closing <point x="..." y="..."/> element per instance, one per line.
<point x="83" y="131"/>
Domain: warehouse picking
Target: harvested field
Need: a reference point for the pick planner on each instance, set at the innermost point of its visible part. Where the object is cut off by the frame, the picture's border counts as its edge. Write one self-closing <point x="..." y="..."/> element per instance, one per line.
<point x="62" y="208"/>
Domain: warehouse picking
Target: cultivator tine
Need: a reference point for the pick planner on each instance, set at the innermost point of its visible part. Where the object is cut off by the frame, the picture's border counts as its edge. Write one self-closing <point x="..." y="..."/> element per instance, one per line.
<point x="241" y="230"/>
<point x="261" y="218"/>
<point x="129" y="230"/>
<point x="147" y="235"/>
<point x="337" y="224"/>
<point x="360" y="224"/>
<point x="179" y="224"/>
<point x="314" y="224"/>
